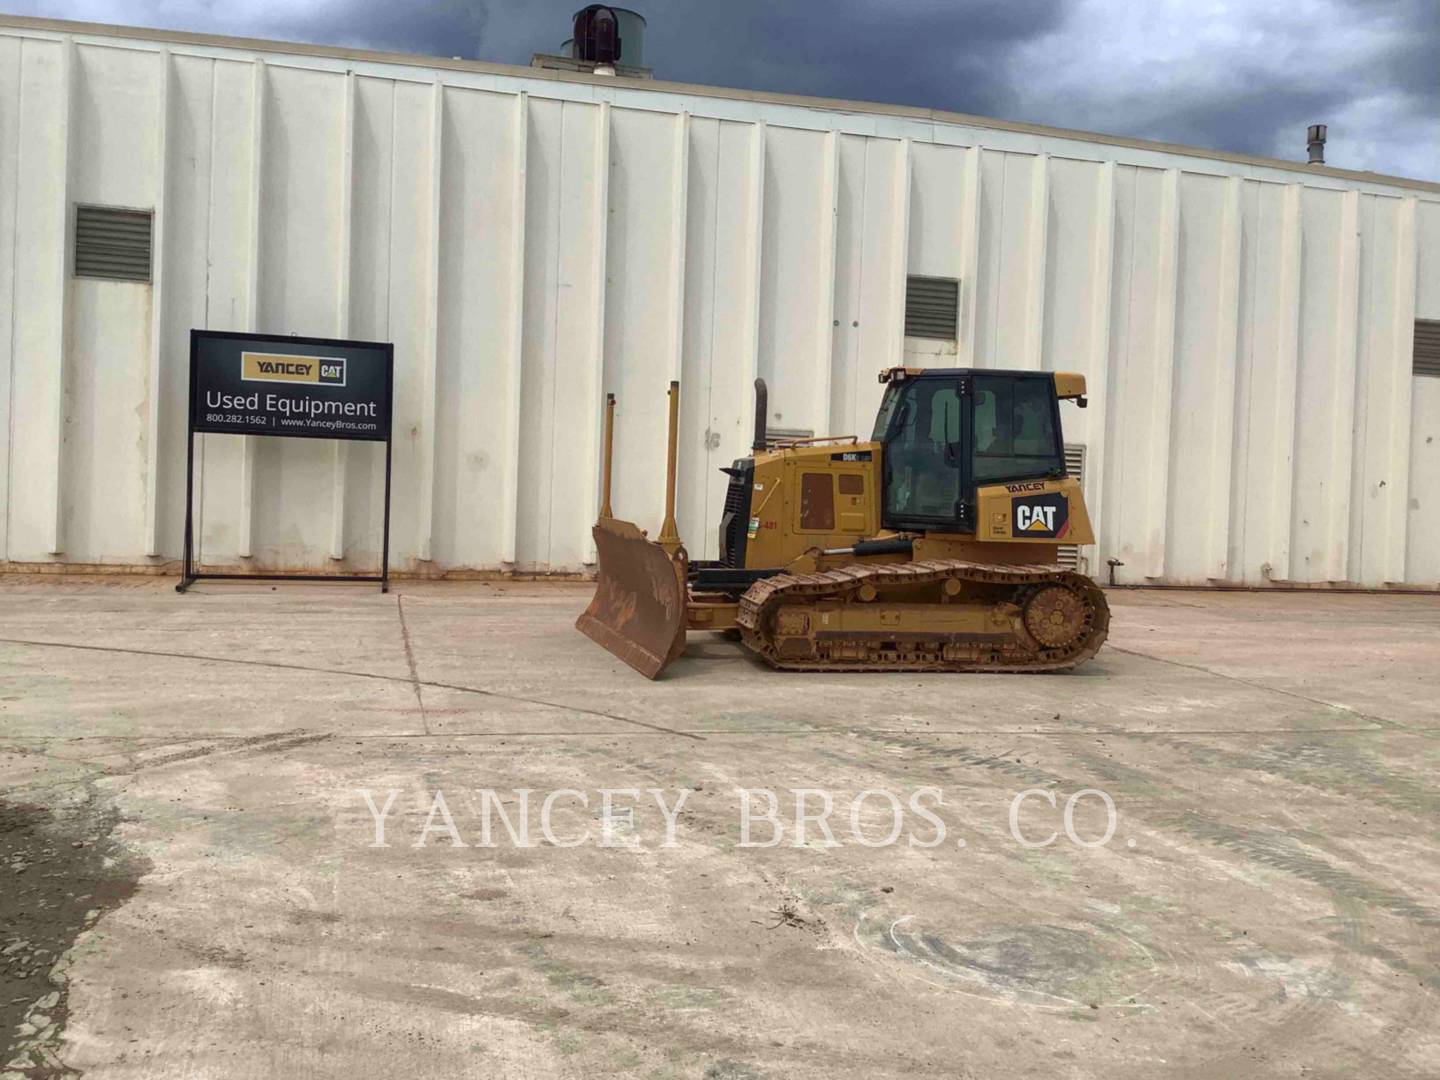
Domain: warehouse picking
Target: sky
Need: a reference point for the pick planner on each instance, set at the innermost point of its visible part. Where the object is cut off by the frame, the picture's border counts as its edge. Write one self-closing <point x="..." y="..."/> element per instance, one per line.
<point x="1241" y="75"/>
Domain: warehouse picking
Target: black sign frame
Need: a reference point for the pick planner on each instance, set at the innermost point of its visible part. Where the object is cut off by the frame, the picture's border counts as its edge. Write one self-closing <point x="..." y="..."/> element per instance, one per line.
<point x="191" y="571"/>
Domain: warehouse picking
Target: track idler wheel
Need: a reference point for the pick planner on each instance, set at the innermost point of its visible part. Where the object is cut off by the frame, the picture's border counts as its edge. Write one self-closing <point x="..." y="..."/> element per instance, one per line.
<point x="1056" y="616"/>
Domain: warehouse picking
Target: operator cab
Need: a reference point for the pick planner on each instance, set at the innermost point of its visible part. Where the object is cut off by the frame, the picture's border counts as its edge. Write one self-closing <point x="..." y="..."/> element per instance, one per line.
<point x="944" y="432"/>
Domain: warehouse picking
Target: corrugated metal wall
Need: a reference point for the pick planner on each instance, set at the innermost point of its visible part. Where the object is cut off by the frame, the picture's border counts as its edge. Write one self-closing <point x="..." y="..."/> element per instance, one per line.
<point x="530" y="243"/>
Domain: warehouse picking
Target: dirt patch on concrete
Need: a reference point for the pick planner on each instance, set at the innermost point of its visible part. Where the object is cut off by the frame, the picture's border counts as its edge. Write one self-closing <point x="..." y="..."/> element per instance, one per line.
<point x="59" y="872"/>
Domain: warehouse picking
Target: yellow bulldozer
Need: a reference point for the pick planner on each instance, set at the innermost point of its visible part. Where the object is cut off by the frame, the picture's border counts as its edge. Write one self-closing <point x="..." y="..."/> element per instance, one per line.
<point x="931" y="547"/>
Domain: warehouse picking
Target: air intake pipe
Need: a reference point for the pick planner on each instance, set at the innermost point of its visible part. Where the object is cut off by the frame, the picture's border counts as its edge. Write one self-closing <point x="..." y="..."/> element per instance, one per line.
<point x="762" y="404"/>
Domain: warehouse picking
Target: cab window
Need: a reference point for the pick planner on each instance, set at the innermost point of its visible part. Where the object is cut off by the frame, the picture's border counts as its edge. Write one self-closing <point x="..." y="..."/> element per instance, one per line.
<point x="1015" y="434"/>
<point x="888" y="404"/>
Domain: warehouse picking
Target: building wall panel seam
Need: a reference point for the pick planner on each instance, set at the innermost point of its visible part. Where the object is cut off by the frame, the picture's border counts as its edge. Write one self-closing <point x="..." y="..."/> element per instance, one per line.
<point x="600" y="215"/>
<point x="1098" y="365"/>
<point x="55" y="519"/>
<point x="1343" y="390"/>
<point x="340" y="463"/>
<point x="1401" y="404"/>
<point x="1287" y="361"/>
<point x="970" y="256"/>
<point x="1222" y="427"/>
<point x="8" y="297"/>
<point x="754" y="262"/>
<point x="679" y="200"/>
<point x="825" y="279"/>
<point x="430" y="381"/>
<point x="1039" y="236"/>
<point x="157" y="307"/>
<point x="514" y="360"/>
<point x="1163" y="371"/>
<point x="250" y="444"/>
<point x="900" y="237"/>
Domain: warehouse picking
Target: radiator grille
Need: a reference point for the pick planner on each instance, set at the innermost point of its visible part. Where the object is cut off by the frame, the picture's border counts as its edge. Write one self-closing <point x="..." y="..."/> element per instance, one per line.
<point x="1069" y="554"/>
<point x="112" y="243"/>
<point x="735" y="517"/>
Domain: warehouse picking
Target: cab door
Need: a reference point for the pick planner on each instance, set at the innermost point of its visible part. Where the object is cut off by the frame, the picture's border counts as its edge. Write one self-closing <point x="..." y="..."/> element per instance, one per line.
<point x="925" y="457"/>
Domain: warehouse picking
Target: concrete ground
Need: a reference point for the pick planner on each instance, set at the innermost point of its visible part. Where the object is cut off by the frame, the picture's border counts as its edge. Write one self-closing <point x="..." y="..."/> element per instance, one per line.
<point x="183" y="778"/>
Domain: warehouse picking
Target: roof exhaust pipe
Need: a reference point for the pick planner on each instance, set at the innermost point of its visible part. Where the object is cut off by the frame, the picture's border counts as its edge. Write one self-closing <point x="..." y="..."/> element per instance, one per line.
<point x="1315" y="140"/>
<point x="762" y="405"/>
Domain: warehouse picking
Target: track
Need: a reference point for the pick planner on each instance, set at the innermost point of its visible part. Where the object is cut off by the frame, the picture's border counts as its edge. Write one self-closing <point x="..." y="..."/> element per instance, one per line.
<point x="944" y="615"/>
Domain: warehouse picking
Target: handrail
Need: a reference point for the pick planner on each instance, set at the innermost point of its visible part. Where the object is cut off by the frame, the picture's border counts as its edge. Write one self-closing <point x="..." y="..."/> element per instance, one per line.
<point x="810" y="440"/>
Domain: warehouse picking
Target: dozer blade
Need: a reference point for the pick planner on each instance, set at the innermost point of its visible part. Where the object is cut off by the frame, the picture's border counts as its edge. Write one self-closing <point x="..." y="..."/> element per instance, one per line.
<point x="638" y="612"/>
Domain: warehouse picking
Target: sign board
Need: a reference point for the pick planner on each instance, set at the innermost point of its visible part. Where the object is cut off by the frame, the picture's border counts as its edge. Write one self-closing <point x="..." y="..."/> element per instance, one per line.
<point x="250" y="384"/>
<point x="287" y="387"/>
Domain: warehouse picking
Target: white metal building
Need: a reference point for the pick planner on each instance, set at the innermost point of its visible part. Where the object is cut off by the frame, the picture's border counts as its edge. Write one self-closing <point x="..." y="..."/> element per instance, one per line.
<point x="530" y="239"/>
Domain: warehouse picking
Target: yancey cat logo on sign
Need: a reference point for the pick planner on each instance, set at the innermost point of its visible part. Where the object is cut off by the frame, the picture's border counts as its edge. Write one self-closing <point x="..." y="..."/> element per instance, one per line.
<point x="273" y="367"/>
<point x="1041" y="517"/>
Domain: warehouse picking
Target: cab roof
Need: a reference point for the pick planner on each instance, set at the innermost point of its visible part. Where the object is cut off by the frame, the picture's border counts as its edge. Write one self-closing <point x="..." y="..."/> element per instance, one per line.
<point x="1068" y="384"/>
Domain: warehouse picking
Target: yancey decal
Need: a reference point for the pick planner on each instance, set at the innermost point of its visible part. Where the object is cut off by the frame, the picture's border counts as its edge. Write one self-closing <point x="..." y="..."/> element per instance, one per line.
<point x="278" y="367"/>
<point x="1040" y="517"/>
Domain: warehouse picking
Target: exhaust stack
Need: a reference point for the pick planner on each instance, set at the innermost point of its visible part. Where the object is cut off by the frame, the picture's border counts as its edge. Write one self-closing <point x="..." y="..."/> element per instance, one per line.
<point x="762" y="406"/>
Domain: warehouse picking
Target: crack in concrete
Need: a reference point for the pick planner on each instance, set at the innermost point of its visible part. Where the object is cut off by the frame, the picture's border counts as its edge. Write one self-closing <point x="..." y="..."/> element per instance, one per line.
<point x="660" y="728"/>
<point x="410" y="660"/>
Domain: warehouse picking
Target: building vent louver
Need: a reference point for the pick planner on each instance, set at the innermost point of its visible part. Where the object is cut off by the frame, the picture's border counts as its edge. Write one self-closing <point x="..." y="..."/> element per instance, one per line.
<point x="112" y="243"/>
<point x="932" y="307"/>
<point x="1427" y="347"/>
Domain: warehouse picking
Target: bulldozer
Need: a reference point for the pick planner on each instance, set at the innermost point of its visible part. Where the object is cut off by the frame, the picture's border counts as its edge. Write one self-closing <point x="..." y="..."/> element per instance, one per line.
<point x="930" y="547"/>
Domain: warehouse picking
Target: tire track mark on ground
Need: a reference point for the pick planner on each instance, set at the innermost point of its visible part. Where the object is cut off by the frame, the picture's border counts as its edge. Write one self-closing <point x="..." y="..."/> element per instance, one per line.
<point x="1283" y="853"/>
<point x="1381" y="721"/>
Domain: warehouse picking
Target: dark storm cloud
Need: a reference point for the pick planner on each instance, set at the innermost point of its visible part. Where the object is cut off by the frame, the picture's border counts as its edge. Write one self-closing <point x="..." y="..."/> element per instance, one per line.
<point x="437" y="27"/>
<point x="1414" y="64"/>
<point x="1241" y="75"/>
<point x="1249" y="77"/>
<point x="935" y="54"/>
